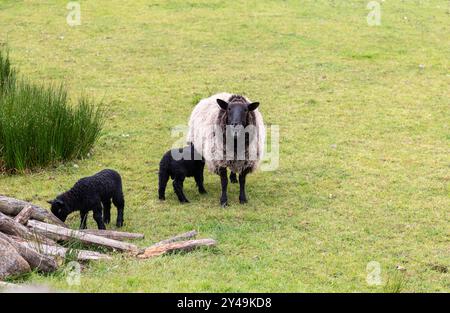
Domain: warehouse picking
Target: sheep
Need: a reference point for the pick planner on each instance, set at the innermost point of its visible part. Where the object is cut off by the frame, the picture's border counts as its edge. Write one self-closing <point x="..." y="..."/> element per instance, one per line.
<point x="92" y="193"/>
<point x="179" y="164"/>
<point x="226" y="116"/>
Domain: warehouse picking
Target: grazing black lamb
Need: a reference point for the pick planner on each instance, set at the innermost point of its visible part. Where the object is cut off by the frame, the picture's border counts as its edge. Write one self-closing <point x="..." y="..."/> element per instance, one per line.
<point x="92" y="193"/>
<point x="186" y="164"/>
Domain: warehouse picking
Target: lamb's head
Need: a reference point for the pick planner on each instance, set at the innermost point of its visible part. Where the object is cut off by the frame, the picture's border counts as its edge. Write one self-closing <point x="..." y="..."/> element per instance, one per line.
<point x="237" y="109"/>
<point x="60" y="209"/>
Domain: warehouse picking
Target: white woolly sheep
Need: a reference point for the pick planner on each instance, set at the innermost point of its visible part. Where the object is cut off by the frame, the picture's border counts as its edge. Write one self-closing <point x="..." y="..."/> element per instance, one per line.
<point x="226" y="116"/>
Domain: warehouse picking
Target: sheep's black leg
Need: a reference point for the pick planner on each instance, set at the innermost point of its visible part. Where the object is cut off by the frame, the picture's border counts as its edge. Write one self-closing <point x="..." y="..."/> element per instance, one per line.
<point x="83" y="216"/>
<point x="233" y="178"/>
<point x="224" y="183"/>
<point x="98" y="216"/>
<point x="119" y="202"/>
<point x="178" y="188"/>
<point x="106" y="210"/>
<point x="242" y="196"/>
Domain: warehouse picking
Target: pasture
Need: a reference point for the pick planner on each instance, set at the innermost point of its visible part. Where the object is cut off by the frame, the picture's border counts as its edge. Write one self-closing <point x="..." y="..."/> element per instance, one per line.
<point x="363" y="112"/>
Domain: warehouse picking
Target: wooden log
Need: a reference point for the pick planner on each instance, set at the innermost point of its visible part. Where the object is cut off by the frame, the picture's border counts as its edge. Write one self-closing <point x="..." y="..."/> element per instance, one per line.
<point x="36" y="260"/>
<point x="175" y="246"/>
<point x="13" y="206"/>
<point x="81" y="255"/>
<point x="24" y="215"/>
<point x="11" y="227"/>
<point x="57" y="233"/>
<point x="11" y="263"/>
<point x="189" y="235"/>
<point x="25" y="288"/>
<point x="7" y="285"/>
<point x="112" y="234"/>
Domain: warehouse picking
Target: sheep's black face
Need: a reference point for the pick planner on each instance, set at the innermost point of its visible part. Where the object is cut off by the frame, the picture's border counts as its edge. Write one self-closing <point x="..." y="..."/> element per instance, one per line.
<point x="237" y="112"/>
<point x="59" y="209"/>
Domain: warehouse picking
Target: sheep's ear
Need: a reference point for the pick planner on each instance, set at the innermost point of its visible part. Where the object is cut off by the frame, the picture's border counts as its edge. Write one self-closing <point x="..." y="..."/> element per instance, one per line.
<point x="223" y="104"/>
<point x="50" y="201"/>
<point x="252" y="106"/>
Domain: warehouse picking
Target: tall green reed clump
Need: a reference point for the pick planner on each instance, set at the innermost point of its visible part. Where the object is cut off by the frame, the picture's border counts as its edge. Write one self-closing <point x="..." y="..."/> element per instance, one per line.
<point x="38" y="125"/>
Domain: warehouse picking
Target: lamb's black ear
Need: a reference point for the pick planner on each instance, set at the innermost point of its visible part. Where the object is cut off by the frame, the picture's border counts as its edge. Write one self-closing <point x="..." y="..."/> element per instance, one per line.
<point x="56" y="201"/>
<point x="222" y="104"/>
<point x="252" y="106"/>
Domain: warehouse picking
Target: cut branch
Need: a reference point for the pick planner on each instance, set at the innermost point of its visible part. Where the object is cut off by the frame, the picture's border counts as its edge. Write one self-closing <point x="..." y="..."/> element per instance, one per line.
<point x="81" y="255"/>
<point x="36" y="260"/>
<point x="185" y="236"/>
<point x="24" y="215"/>
<point x="11" y="263"/>
<point x="13" y="206"/>
<point x="11" y="227"/>
<point x="112" y="234"/>
<point x="175" y="246"/>
<point x="61" y="233"/>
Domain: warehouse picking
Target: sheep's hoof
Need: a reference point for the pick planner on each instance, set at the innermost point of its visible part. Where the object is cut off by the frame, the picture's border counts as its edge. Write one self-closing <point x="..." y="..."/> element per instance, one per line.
<point x="203" y="191"/>
<point x="184" y="201"/>
<point x="119" y="224"/>
<point x="106" y="221"/>
<point x="243" y="201"/>
<point x="162" y="198"/>
<point x="223" y="204"/>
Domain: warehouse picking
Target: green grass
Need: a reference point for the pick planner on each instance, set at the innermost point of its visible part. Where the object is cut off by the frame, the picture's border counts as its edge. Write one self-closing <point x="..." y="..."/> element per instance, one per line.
<point x="38" y="126"/>
<point x="364" y="146"/>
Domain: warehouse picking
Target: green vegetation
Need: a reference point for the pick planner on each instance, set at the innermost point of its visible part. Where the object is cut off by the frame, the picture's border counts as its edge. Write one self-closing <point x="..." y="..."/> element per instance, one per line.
<point x="38" y="126"/>
<point x="364" y="146"/>
<point x="7" y="74"/>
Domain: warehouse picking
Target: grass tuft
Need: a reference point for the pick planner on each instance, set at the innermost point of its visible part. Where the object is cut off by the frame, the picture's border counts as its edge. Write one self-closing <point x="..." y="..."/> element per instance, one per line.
<point x="38" y="126"/>
<point x="395" y="283"/>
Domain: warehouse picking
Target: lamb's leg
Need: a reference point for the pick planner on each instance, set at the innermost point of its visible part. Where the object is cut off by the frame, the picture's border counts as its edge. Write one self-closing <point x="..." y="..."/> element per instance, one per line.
<point x="199" y="181"/>
<point x="83" y="217"/>
<point x="178" y="188"/>
<point x="224" y="183"/>
<point x="163" y="179"/>
<point x="242" y="196"/>
<point x="233" y="178"/>
<point x="98" y="216"/>
<point x="119" y="202"/>
<point x="106" y="211"/>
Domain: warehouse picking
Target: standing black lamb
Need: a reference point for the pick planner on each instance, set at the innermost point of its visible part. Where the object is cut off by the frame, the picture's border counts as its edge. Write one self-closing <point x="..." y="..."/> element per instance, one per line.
<point x="186" y="163"/>
<point x="92" y="193"/>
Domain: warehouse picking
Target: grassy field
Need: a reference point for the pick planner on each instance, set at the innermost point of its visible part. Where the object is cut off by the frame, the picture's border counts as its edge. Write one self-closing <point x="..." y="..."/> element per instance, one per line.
<point x="364" y="117"/>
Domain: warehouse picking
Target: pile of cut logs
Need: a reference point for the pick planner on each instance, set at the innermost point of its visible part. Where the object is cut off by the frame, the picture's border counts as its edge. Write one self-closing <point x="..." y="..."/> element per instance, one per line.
<point x="32" y="238"/>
